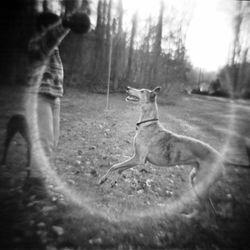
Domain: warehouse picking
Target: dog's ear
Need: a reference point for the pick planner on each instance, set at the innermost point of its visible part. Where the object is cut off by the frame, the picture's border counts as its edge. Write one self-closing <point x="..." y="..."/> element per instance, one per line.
<point x="156" y="90"/>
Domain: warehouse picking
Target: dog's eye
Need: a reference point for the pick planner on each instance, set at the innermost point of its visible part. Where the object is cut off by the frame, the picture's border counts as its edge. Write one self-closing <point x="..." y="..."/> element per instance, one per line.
<point x="142" y="91"/>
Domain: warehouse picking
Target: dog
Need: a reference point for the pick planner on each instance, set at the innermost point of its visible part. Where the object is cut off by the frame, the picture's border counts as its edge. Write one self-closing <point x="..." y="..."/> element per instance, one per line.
<point x="17" y="124"/>
<point x="154" y="144"/>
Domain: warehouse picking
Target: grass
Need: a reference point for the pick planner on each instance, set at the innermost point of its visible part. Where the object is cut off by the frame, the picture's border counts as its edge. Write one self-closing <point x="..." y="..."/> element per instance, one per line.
<point x="130" y="211"/>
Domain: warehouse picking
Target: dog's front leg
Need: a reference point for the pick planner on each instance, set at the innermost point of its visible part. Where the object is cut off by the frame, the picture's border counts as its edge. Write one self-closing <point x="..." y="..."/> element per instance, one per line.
<point x="120" y="167"/>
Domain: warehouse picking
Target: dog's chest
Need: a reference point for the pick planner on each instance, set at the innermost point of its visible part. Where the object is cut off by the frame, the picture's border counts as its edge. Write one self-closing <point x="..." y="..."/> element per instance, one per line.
<point x="144" y="135"/>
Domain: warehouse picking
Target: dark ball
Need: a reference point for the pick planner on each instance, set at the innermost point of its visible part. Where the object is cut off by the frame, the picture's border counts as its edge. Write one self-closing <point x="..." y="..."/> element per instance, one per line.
<point x="78" y="23"/>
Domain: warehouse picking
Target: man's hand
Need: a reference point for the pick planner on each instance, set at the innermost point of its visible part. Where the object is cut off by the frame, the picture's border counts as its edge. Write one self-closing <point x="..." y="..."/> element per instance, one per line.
<point x="72" y="6"/>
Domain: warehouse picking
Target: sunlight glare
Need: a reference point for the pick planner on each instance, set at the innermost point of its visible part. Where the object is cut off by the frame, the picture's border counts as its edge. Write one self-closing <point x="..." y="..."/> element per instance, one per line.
<point x="209" y="34"/>
<point x="144" y="8"/>
<point x="209" y="37"/>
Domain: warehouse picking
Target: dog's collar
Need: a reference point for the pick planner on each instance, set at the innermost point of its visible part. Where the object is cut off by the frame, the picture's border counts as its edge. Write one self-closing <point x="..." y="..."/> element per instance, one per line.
<point x="145" y="121"/>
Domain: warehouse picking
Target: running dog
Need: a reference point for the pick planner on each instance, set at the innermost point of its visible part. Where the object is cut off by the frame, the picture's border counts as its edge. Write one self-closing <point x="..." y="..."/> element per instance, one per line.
<point x="17" y="124"/>
<point x="155" y="144"/>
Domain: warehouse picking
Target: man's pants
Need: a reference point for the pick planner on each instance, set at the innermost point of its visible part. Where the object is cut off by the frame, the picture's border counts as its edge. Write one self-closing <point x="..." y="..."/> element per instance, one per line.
<point x="48" y="118"/>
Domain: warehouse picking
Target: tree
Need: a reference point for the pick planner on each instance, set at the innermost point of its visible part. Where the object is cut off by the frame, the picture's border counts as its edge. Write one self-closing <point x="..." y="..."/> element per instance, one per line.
<point x="131" y="47"/>
<point x="145" y="54"/>
<point x="147" y="58"/>
<point x="119" y="48"/>
<point x="240" y="48"/>
<point x="157" y="47"/>
<point x="99" y="43"/>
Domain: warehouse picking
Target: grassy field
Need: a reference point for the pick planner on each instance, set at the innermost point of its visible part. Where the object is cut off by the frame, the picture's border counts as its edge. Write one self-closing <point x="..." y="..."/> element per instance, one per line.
<point x="137" y="209"/>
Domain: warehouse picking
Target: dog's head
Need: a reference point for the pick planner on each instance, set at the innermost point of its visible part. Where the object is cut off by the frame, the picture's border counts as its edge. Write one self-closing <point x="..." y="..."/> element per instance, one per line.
<point x="142" y="95"/>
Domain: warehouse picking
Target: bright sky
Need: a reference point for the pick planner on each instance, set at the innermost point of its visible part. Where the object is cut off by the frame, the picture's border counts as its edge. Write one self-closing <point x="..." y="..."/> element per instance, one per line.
<point x="144" y="8"/>
<point x="209" y="34"/>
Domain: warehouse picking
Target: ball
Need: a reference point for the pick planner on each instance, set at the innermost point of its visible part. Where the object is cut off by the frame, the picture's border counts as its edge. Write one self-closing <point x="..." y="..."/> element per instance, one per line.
<point x="79" y="23"/>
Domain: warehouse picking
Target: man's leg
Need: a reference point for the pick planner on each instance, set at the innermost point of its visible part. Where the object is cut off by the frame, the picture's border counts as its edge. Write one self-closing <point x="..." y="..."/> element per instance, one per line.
<point x="56" y="120"/>
<point x="45" y="123"/>
<point x="43" y="139"/>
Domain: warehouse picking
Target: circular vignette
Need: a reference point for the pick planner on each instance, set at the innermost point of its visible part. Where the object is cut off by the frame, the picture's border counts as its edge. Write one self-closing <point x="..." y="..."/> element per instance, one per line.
<point x="41" y="161"/>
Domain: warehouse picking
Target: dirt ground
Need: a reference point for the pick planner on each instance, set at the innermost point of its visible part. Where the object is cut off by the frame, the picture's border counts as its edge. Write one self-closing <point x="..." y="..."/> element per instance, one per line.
<point x="136" y="210"/>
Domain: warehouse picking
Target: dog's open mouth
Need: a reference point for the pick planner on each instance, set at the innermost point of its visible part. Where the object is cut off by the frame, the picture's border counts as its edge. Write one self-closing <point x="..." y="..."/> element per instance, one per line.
<point x="132" y="98"/>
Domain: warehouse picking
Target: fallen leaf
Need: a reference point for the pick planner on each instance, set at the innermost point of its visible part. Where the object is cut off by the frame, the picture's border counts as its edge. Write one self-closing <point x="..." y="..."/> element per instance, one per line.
<point x="58" y="230"/>
<point x="95" y="241"/>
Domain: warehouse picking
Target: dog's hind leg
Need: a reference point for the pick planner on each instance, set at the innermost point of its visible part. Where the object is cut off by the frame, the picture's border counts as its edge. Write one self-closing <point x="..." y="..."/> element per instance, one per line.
<point x="120" y="167"/>
<point x="201" y="181"/>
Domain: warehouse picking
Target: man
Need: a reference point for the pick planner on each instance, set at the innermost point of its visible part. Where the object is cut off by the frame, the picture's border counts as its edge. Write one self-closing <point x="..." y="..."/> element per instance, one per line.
<point x="50" y="91"/>
<point x="46" y="80"/>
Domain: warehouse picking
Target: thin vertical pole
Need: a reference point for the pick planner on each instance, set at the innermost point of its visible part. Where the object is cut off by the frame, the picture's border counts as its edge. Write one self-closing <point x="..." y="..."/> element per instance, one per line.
<point x="199" y="78"/>
<point x="109" y="69"/>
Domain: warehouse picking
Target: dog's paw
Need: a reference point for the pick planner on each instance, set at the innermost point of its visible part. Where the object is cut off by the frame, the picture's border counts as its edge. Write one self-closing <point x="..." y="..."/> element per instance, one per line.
<point x="102" y="180"/>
